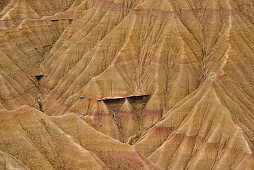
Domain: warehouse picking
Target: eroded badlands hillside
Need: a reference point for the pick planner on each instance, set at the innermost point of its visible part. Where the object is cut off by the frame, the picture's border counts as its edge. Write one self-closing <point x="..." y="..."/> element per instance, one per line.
<point x="127" y="84"/>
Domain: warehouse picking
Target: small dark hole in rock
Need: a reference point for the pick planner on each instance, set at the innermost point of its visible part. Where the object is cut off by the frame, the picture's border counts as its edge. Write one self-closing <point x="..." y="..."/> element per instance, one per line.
<point x="39" y="77"/>
<point x="54" y="20"/>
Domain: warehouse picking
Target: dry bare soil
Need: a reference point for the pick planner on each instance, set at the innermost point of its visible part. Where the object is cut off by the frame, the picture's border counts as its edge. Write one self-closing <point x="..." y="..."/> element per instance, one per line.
<point x="126" y="84"/>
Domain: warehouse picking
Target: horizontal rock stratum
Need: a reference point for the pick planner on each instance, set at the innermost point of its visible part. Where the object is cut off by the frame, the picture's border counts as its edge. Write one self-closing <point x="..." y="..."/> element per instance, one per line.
<point x="127" y="84"/>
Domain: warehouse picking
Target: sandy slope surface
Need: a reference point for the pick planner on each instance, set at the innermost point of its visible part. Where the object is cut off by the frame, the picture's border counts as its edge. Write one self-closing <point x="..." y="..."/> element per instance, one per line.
<point x="127" y="84"/>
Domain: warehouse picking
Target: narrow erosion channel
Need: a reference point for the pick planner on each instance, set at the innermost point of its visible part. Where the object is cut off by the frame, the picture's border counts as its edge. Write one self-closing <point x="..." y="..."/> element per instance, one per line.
<point x="39" y="77"/>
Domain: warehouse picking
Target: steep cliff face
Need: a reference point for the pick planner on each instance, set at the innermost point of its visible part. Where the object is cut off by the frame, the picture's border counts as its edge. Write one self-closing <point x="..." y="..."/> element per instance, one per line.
<point x="127" y="84"/>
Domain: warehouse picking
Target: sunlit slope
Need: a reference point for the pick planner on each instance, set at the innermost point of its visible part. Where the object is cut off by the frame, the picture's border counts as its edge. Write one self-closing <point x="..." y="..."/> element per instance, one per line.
<point x="175" y="44"/>
<point x="9" y="162"/>
<point x="66" y="142"/>
<point x="13" y="12"/>
<point x="173" y="78"/>
<point x="22" y="50"/>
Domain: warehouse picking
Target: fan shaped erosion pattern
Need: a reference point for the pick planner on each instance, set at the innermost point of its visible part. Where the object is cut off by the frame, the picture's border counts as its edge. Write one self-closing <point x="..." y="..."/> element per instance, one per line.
<point x="127" y="84"/>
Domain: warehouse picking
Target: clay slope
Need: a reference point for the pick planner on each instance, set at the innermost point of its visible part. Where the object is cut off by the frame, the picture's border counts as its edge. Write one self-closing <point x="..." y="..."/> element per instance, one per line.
<point x="16" y="11"/>
<point x="8" y="162"/>
<point x="205" y="134"/>
<point x="66" y="142"/>
<point x="22" y="50"/>
<point x="173" y="78"/>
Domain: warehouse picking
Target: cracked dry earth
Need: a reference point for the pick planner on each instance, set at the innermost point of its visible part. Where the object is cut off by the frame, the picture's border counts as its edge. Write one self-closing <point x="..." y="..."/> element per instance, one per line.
<point x="127" y="84"/>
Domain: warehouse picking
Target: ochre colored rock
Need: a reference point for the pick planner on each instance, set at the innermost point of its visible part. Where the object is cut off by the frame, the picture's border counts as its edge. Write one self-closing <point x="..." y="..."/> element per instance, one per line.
<point x="127" y="84"/>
